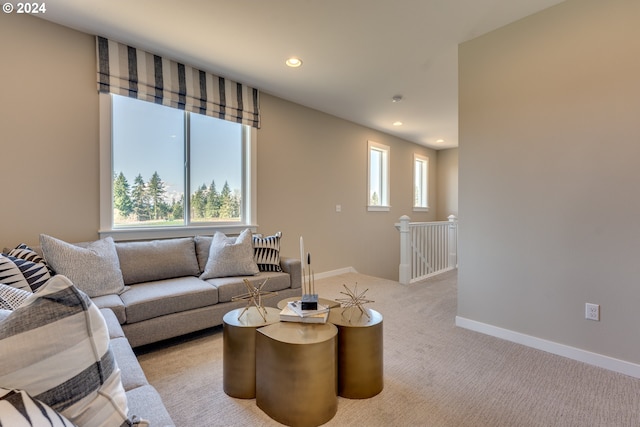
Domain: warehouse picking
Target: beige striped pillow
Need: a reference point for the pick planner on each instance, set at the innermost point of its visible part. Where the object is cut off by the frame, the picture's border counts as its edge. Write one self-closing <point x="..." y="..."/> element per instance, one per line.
<point x="56" y="347"/>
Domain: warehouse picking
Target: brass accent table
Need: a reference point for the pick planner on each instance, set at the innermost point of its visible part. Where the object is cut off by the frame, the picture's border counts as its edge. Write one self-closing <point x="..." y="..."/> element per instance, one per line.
<point x="328" y="302"/>
<point x="296" y="372"/>
<point x="239" y="350"/>
<point x="360" y="352"/>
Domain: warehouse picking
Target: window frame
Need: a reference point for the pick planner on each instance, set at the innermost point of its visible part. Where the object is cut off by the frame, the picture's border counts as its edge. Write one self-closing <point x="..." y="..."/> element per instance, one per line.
<point x="106" y="229"/>
<point x="419" y="158"/>
<point x="385" y="184"/>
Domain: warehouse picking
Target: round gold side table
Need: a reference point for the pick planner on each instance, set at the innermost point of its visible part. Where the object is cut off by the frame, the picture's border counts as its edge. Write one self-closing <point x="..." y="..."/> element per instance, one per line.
<point x="296" y="372"/>
<point x="360" y="352"/>
<point x="239" y="350"/>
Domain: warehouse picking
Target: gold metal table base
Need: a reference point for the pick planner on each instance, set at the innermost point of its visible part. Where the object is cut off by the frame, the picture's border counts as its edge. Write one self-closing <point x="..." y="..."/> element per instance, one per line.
<point x="360" y="352"/>
<point x="239" y="350"/>
<point x="296" y="373"/>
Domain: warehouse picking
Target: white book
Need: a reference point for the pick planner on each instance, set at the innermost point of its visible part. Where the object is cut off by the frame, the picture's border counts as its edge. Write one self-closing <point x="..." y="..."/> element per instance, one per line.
<point x="288" y="315"/>
<point x="296" y="306"/>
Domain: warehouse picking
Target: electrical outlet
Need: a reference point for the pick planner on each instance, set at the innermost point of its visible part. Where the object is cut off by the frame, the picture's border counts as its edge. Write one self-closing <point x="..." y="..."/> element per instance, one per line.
<point x="592" y="311"/>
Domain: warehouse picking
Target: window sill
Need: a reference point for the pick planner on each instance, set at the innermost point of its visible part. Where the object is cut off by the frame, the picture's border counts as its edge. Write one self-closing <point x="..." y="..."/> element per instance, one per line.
<point x="122" y="234"/>
<point x="378" y="208"/>
<point x="420" y="209"/>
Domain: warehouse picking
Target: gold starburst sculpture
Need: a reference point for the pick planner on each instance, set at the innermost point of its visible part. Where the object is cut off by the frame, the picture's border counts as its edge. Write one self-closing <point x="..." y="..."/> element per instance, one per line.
<point x="254" y="297"/>
<point x="354" y="299"/>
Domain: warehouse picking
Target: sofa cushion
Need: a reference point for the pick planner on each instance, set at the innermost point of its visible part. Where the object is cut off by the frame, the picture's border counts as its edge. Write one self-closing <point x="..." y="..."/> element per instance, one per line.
<point x="230" y="257"/>
<point x="267" y="252"/>
<point x="152" y="299"/>
<point x="18" y="408"/>
<point x="93" y="269"/>
<point x="56" y="347"/>
<point x="11" y="298"/>
<point x="229" y="287"/>
<point x="148" y="261"/>
<point x="113" y="303"/>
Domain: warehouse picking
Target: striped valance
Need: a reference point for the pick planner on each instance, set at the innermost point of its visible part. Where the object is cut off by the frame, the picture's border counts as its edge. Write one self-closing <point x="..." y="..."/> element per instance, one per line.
<point x="125" y="70"/>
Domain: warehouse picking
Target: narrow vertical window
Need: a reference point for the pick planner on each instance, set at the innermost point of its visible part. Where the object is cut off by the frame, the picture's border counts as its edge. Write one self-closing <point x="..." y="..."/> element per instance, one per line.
<point x="378" y="188"/>
<point x="420" y="183"/>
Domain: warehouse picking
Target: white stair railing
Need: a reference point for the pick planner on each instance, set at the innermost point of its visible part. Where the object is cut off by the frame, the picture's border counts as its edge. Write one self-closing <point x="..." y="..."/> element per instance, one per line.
<point x="427" y="248"/>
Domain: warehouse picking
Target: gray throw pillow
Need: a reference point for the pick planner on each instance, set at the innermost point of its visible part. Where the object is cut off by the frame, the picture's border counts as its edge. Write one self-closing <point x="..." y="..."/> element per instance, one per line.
<point x="94" y="269"/>
<point x="230" y="257"/>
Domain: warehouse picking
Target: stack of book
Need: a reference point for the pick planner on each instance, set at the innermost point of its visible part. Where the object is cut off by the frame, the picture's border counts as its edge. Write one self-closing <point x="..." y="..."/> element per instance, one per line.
<point x="293" y="312"/>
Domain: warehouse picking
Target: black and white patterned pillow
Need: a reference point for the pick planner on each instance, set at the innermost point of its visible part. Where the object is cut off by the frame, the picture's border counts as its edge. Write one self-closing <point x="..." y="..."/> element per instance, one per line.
<point x="23" y="251"/>
<point x="267" y="252"/>
<point x="35" y="273"/>
<point x="18" y="408"/>
<point x="11" y="298"/>
<point x="11" y="275"/>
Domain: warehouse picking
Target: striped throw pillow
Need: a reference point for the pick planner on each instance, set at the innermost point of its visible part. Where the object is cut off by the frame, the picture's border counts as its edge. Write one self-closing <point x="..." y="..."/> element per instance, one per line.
<point x="36" y="274"/>
<point x="17" y="408"/>
<point x="267" y="252"/>
<point x="11" y="275"/>
<point x="56" y="347"/>
<point x="23" y="251"/>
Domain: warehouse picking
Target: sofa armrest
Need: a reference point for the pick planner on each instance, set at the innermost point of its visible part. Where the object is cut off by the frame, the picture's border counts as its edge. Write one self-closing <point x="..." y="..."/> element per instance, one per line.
<point x="293" y="267"/>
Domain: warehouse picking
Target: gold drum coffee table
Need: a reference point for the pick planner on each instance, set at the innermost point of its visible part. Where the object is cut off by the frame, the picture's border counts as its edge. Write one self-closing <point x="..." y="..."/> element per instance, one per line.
<point x="360" y="352"/>
<point x="296" y="372"/>
<point x="239" y="350"/>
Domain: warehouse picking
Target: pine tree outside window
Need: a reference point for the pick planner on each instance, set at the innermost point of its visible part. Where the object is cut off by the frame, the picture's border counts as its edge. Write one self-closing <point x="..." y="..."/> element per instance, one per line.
<point x="174" y="169"/>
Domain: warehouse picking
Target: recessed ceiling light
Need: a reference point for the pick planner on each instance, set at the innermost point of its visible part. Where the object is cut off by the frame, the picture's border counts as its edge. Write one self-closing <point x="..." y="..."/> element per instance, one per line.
<point x="293" y="62"/>
<point x="440" y="141"/>
<point x="398" y="123"/>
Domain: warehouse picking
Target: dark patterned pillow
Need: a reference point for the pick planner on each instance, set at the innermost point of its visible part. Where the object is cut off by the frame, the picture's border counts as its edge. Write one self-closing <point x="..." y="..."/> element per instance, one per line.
<point x="267" y="252"/>
<point x="11" y="298"/>
<point x="11" y="275"/>
<point x="23" y="251"/>
<point x="35" y="273"/>
<point x="18" y="408"/>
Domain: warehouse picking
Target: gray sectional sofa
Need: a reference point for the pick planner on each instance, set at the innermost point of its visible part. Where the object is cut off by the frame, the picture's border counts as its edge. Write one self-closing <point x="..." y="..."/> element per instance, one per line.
<point x="166" y="298"/>
<point x="163" y="294"/>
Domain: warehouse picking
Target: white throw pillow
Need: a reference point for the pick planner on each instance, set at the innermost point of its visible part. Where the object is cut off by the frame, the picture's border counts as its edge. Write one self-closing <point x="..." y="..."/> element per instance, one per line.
<point x="94" y="269"/>
<point x="11" y="298"/>
<point x="56" y="347"/>
<point x="229" y="257"/>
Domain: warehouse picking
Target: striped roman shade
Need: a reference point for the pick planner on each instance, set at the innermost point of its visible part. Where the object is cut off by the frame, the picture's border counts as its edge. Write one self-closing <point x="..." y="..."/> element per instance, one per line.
<point x="127" y="71"/>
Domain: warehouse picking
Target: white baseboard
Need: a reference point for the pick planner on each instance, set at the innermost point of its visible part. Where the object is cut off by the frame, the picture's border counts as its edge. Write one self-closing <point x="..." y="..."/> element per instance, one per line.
<point x="599" y="360"/>
<point x="337" y="272"/>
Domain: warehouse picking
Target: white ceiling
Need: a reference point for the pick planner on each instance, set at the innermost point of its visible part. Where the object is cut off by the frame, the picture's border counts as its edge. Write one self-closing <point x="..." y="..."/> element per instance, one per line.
<point x="357" y="54"/>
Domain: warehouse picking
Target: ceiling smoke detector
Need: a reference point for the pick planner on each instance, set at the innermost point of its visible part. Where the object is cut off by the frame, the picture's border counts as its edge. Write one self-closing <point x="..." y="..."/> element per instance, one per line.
<point x="396" y="98"/>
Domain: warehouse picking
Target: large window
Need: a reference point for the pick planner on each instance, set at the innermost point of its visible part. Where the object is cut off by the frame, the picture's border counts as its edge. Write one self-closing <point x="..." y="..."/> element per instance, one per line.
<point x="420" y="183"/>
<point x="378" y="188"/>
<point x="172" y="169"/>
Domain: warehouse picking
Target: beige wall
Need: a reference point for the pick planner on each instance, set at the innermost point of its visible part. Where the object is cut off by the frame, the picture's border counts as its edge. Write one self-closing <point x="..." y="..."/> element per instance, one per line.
<point x="308" y="162"/>
<point x="447" y="194"/>
<point x="49" y="132"/>
<point x="549" y="176"/>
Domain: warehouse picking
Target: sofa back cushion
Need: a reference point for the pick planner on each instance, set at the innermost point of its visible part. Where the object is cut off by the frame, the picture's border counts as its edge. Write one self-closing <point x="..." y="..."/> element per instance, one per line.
<point x="157" y="259"/>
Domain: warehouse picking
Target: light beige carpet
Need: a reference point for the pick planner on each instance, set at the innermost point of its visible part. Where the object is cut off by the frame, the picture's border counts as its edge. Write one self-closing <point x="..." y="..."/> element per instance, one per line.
<point x="435" y="373"/>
